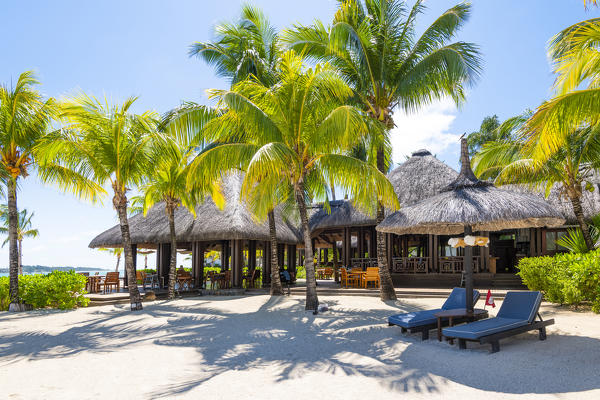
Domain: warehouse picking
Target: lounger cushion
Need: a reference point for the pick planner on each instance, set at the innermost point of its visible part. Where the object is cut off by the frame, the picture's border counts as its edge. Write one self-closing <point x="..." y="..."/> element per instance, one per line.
<point x="458" y="299"/>
<point x="414" y="319"/>
<point x="520" y="305"/>
<point x="478" y="329"/>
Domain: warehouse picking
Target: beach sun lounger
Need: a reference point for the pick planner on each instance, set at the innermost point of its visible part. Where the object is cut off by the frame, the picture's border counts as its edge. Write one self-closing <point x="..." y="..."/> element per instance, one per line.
<point x="424" y="321"/>
<point x="516" y="315"/>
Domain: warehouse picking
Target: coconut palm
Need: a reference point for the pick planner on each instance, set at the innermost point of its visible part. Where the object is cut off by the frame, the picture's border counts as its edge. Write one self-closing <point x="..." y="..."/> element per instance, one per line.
<point x="576" y="61"/>
<point x="24" y="230"/>
<point x="167" y="184"/>
<point x="24" y="118"/>
<point x="117" y="252"/>
<point x="373" y="45"/>
<point x="109" y="145"/>
<point x="512" y="161"/>
<point x="290" y="138"/>
<point x="248" y="48"/>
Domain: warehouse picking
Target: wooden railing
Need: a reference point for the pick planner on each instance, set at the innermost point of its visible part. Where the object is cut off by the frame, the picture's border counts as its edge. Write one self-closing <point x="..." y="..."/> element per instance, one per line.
<point x="363" y="262"/>
<point x="408" y="265"/>
<point x="454" y="265"/>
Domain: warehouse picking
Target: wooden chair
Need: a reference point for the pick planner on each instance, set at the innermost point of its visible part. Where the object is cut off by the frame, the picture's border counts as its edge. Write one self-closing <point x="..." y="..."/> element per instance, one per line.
<point x="349" y="280"/>
<point x="328" y="274"/>
<point x="372" y="275"/>
<point x="111" y="280"/>
<point x="210" y="277"/>
<point x="139" y="277"/>
<point x="184" y="279"/>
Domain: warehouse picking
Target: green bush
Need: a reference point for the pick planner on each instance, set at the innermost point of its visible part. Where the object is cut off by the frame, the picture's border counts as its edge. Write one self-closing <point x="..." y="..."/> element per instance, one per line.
<point x="570" y="278"/>
<point x="58" y="289"/>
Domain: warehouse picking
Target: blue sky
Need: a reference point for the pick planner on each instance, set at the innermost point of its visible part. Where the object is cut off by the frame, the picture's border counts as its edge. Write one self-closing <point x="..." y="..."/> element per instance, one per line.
<point x="124" y="48"/>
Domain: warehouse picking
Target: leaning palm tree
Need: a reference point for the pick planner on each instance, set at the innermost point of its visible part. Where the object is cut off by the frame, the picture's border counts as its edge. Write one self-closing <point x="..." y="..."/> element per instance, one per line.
<point x="511" y="161"/>
<point x="373" y="45"/>
<point x="24" y="230"/>
<point x="576" y="61"/>
<point x="248" y="48"/>
<point x="167" y="184"/>
<point x="291" y="139"/>
<point x="24" y="118"/>
<point x="117" y="252"/>
<point x="109" y="145"/>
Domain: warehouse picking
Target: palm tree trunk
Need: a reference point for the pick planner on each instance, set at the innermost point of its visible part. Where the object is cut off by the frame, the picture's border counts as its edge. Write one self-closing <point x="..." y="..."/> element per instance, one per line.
<point x="20" y="257"/>
<point x="276" y="288"/>
<point x="312" y="301"/>
<point x="118" y="262"/>
<point x="13" y="250"/>
<point x="585" y="229"/>
<point x="173" y="261"/>
<point x="387" y="291"/>
<point x="120" y="203"/>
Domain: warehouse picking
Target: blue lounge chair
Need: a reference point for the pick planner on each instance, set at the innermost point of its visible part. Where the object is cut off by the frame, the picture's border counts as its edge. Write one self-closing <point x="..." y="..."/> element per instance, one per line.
<point x="424" y="321"/>
<point x="517" y="315"/>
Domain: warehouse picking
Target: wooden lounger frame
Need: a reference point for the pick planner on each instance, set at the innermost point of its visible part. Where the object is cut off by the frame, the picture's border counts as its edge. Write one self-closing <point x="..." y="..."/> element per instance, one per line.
<point x="494" y="339"/>
<point x="424" y="329"/>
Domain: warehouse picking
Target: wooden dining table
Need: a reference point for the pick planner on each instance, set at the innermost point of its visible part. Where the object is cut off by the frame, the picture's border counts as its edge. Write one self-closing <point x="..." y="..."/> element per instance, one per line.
<point x="357" y="275"/>
<point x="93" y="283"/>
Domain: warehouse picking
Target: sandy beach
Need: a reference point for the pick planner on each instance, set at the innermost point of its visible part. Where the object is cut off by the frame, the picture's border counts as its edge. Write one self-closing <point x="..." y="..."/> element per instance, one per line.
<point x="269" y="348"/>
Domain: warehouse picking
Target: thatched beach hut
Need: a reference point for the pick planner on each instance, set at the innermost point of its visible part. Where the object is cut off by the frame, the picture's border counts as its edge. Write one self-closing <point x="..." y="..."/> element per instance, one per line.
<point x="232" y="231"/>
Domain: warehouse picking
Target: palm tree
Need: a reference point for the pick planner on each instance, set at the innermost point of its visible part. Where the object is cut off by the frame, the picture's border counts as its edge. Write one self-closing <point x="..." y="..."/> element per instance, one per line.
<point x="24" y="119"/>
<point x="372" y="43"/>
<point x="24" y="230"/>
<point x="109" y="145"/>
<point x="167" y="183"/>
<point x="512" y="161"/>
<point x="117" y="252"/>
<point x="248" y="48"/>
<point x="576" y="62"/>
<point x="290" y="138"/>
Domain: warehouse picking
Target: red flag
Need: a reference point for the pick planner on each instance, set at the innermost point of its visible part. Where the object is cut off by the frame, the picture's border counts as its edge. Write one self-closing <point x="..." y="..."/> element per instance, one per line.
<point x="489" y="300"/>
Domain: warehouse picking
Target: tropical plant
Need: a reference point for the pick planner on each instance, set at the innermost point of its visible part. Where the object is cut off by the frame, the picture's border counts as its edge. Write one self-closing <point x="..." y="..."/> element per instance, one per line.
<point x="24" y="119"/>
<point x="373" y="45"/>
<point x="109" y="145"/>
<point x="488" y="131"/>
<point x="511" y="161"/>
<point x="117" y="252"/>
<point x="574" y="241"/>
<point x="247" y="49"/>
<point x="290" y="138"/>
<point x="576" y="62"/>
<point x="167" y="184"/>
<point x="24" y="230"/>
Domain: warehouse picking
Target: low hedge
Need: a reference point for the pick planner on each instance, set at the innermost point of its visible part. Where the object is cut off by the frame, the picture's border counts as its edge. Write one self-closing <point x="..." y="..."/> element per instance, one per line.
<point x="58" y="289"/>
<point x="571" y="278"/>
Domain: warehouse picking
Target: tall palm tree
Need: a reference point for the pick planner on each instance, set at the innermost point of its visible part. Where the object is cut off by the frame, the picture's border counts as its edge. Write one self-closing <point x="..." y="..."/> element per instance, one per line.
<point x="373" y="45"/>
<point x="248" y="48"/>
<point x="117" y="252"/>
<point x="291" y="139"/>
<point x="109" y="145"/>
<point x="24" y="230"/>
<point x="168" y="184"/>
<point x="24" y="118"/>
<point x="512" y="161"/>
<point x="576" y="61"/>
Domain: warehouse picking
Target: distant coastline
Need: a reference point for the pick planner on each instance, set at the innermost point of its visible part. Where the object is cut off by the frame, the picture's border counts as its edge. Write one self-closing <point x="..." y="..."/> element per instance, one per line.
<point x="42" y="269"/>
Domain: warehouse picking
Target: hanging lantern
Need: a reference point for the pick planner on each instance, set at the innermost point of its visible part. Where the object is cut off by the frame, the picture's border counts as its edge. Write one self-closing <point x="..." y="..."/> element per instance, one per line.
<point x="469" y="241"/>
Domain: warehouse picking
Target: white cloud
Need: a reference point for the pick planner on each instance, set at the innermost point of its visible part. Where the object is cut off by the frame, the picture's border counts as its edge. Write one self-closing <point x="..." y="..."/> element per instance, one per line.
<point x="426" y="129"/>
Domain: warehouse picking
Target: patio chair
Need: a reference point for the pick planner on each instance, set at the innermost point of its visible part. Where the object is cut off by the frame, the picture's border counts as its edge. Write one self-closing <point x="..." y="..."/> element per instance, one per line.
<point x="516" y="315"/>
<point x="150" y="280"/>
<point x="111" y="280"/>
<point x="348" y="280"/>
<point x="424" y="321"/>
<point x="328" y="274"/>
<point x="372" y="275"/>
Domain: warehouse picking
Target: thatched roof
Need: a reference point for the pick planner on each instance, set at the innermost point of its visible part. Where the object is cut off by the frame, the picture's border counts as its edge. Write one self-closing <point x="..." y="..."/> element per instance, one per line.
<point x="210" y="224"/>
<point x="469" y="201"/>
<point x="590" y="200"/>
<point x="419" y="177"/>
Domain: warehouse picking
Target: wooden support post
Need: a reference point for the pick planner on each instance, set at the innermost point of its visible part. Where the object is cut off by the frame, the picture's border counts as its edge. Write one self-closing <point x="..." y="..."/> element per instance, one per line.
<point x="251" y="255"/>
<point x="165" y="260"/>
<point x="237" y="258"/>
<point x="225" y="255"/>
<point x="326" y="255"/>
<point x="430" y="252"/>
<point x="198" y="264"/>
<point x="436" y="253"/>
<point x="389" y="249"/>
<point x="291" y="259"/>
<point x="266" y="273"/>
<point x="360" y="242"/>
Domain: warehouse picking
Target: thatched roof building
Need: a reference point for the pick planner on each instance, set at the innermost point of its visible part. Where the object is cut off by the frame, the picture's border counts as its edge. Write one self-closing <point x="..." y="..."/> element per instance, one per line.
<point x="419" y="177"/>
<point x="234" y="222"/>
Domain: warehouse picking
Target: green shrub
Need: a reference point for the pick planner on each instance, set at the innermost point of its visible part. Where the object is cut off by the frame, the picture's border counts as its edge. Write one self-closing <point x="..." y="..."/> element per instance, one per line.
<point x="58" y="289"/>
<point x="565" y="278"/>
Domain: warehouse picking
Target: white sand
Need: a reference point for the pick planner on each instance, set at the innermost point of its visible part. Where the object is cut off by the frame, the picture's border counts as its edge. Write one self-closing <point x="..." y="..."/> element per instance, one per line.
<point x="257" y="347"/>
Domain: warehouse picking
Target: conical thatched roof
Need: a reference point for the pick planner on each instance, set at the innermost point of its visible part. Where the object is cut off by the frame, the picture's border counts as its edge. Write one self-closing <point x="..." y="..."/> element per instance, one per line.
<point x="469" y="201"/>
<point x="419" y="177"/>
<point x="211" y="223"/>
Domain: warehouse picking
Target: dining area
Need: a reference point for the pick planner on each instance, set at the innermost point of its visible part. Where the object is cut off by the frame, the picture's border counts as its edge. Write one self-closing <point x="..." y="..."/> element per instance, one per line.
<point x="360" y="278"/>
